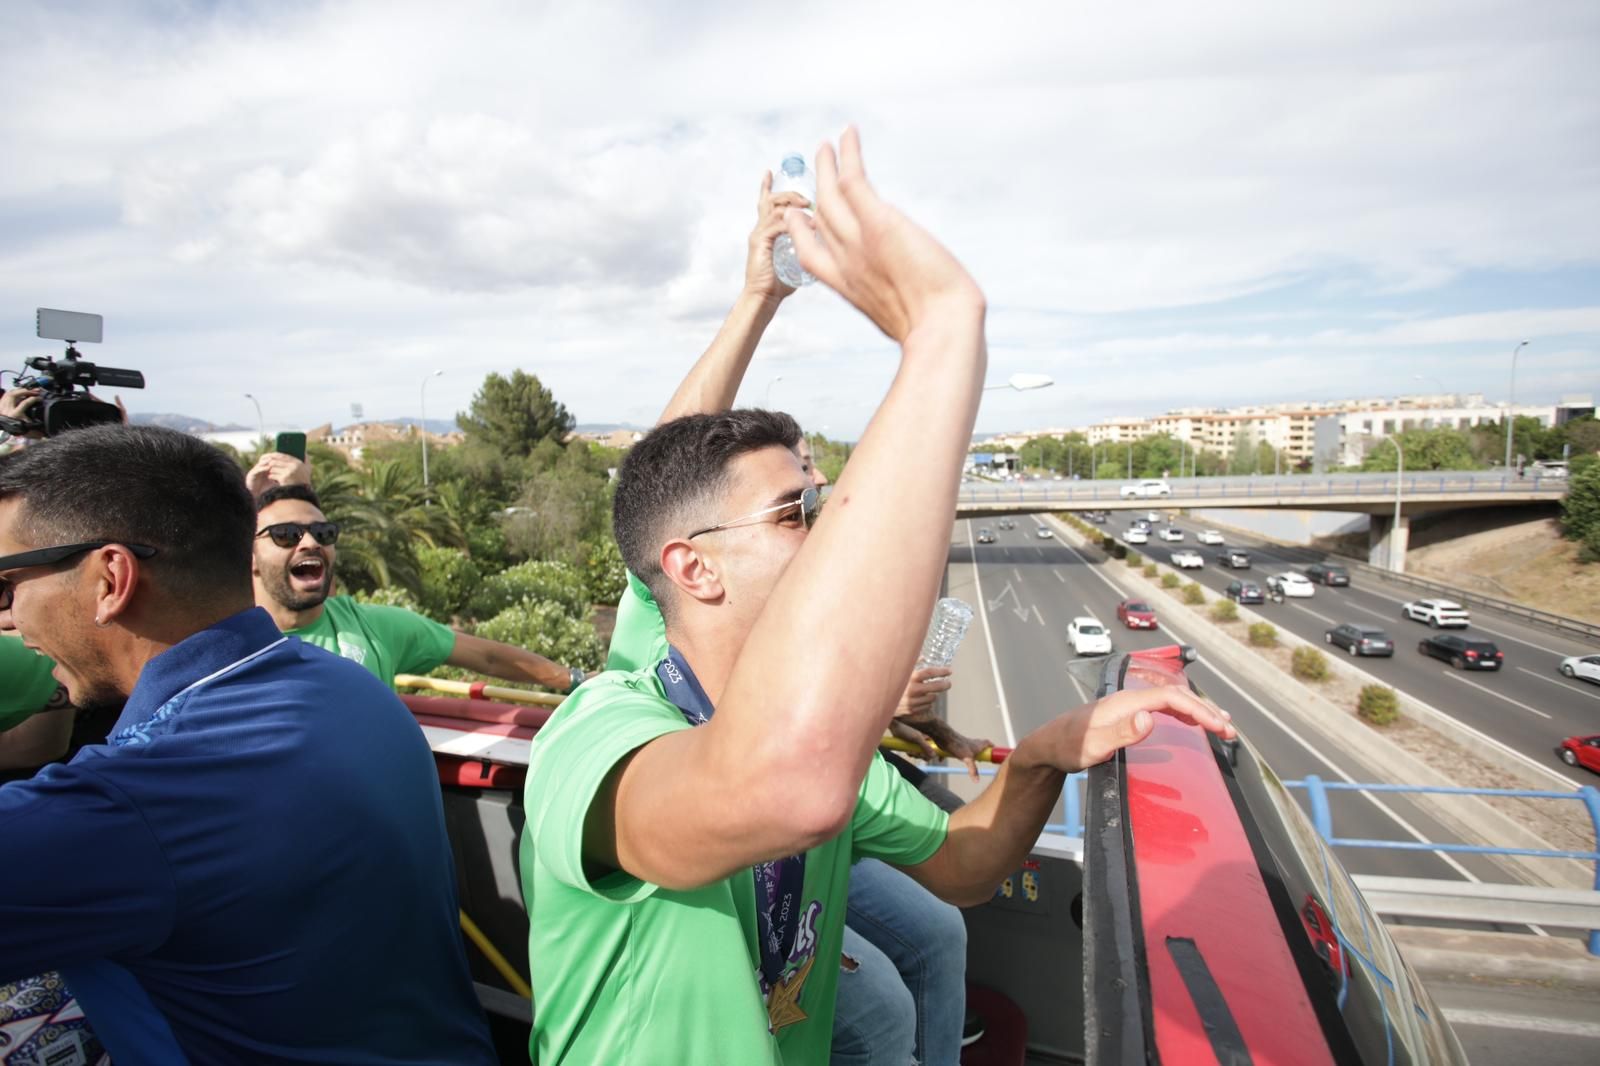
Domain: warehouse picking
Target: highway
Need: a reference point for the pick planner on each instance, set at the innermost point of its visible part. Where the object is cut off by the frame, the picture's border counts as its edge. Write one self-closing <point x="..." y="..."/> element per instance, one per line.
<point x="1015" y="670"/>
<point x="1526" y="705"/>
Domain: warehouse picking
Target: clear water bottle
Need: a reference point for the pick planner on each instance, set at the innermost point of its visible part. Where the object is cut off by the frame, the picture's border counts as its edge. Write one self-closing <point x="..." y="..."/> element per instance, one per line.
<point x="951" y="617"/>
<point x="793" y="176"/>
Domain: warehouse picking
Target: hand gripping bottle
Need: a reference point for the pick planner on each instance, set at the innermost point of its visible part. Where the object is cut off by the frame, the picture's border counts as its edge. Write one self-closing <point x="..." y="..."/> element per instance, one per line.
<point x="950" y="620"/>
<point x="793" y="176"/>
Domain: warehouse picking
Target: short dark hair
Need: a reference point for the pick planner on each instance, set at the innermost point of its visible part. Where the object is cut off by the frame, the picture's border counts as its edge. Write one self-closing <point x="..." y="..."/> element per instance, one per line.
<point x="140" y="485"/>
<point x="287" y="492"/>
<point x="674" y="472"/>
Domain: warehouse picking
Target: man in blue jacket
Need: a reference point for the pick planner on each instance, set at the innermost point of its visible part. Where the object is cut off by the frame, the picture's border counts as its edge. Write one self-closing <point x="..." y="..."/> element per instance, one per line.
<point x="253" y="868"/>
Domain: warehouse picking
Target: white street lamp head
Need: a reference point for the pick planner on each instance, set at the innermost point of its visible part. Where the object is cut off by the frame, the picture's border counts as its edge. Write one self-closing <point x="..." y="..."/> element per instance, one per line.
<point x="1024" y="382"/>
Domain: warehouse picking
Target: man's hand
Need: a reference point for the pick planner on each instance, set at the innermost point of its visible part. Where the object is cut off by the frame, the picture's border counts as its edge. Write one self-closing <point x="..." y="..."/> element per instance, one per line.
<point x="927" y="729"/>
<point x="16" y="403"/>
<point x="872" y="255"/>
<point x="759" y="276"/>
<point x="276" y="468"/>
<point x="923" y="690"/>
<point x="1092" y="733"/>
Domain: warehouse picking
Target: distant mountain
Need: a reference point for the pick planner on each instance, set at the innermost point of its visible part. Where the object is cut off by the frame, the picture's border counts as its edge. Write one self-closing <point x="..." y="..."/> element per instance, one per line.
<point x="182" y="422"/>
<point x="607" y="427"/>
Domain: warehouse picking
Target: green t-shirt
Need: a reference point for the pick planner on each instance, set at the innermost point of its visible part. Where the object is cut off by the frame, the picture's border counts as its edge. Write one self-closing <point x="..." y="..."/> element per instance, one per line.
<point x="627" y="971"/>
<point x="25" y="682"/>
<point x="386" y="640"/>
<point x="640" y="637"/>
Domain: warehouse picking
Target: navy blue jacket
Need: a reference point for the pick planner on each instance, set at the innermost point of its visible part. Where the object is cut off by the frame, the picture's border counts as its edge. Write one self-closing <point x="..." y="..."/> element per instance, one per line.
<point x="253" y="869"/>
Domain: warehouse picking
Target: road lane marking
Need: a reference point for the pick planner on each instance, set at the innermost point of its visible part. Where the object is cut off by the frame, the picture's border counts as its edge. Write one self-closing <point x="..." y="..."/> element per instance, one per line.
<point x="1493" y="1019"/>
<point x="1058" y="576"/>
<point x="1496" y="695"/>
<point x="1561" y="684"/>
<point x="1314" y="614"/>
<point x="1375" y="614"/>
<point x="1017" y="574"/>
<point x="1037" y="615"/>
<point x="1334" y="767"/>
<point x="988" y="637"/>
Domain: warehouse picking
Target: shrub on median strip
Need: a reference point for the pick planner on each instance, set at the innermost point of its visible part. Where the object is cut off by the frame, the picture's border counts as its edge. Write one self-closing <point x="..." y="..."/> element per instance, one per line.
<point x="1170" y="581"/>
<point x="1193" y="594"/>
<point x="1264" y="634"/>
<point x="1224" y="611"/>
<point x="1378" y="704"/>
<point x="1134" y="558"/>
<point x="1309" y="664"/>
<point x="1149" y="569"/>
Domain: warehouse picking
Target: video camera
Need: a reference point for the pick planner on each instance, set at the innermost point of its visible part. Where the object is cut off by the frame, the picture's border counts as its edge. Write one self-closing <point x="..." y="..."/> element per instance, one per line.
<point x="61" y="406"/>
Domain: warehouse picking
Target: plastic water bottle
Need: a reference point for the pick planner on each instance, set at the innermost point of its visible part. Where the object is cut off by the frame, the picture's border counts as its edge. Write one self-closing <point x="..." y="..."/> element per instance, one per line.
<point x="951" y="617"/>
<point x="793" y="176"/>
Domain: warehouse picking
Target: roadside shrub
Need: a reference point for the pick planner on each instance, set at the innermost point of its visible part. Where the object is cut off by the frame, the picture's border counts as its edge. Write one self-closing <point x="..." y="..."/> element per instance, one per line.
<point x="604" y="574"/>
<point x="548" y="630"/>
<point x="538" y="581"/>
<point x="1193" y="594"/>
<point x="1378" y="704"/>
<point x="1170" y="581"/>
<point x="1263" y="634"/>
<point x="1119" y="551"/>
<point x="1108" y="544"/>
<point x="389" y="596"/>
<point x="1134" y="558"/>
<point x="1149" y="569"/>
<point x="1309" y="664"/>
<point x="1224" y="611"/>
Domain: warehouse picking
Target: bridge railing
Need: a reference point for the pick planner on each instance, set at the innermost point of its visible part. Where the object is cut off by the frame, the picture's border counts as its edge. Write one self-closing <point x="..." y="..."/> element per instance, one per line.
<point x="1535" y="905"/>
<point x="1291" y="486"/>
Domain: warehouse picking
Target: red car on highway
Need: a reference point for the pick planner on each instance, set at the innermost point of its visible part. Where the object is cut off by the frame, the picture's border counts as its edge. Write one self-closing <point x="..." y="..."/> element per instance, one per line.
<point x="1581" y="751"/>
<point x="1136" y="614"/>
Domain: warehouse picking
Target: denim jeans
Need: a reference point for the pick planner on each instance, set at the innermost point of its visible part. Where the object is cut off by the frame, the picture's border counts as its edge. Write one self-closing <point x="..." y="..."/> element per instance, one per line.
<point x="905" y="1001"/>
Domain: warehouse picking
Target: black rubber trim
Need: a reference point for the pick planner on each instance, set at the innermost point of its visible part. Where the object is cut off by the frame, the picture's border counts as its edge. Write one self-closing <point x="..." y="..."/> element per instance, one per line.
<point x="1118" y="1022"/>
<point x="1227" y="1043"/>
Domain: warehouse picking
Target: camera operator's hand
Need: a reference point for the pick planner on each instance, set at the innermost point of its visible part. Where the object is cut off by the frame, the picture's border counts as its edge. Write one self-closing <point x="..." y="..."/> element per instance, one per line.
<point x="759" y="276"/>
<point x="17" y="403"/>
<point x="276" y="468"/>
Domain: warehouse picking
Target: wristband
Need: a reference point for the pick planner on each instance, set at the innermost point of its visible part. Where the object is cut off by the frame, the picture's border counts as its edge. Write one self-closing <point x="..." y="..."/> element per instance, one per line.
<point x="576" y="678"/>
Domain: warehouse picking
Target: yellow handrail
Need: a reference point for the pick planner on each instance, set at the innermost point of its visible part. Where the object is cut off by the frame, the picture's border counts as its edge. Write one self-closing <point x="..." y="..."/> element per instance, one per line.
<point x="497" y="960"/>
<point x="478" y="690"/>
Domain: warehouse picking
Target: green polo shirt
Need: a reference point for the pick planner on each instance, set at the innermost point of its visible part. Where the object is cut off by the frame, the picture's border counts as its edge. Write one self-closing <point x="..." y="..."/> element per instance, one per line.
<point x="640" y="636"/>
<point x="386" y="640"/>
<point x="627" y="971"/>
<point x="26" y="684"/>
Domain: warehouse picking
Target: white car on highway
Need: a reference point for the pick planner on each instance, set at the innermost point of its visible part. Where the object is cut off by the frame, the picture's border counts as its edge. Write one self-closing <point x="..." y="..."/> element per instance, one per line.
<point x="1437" y="613"/>
<point x="1147" y="487"/>
<point x="1209" y="536"/>
<point x="1170" y="533"/>
<point x="1088" y="637"/>
<point x="1187" y="559"/>
<point x="1293" y="585"/>
<point x="1584" y="666"/>
<point x="1136" y="536"/>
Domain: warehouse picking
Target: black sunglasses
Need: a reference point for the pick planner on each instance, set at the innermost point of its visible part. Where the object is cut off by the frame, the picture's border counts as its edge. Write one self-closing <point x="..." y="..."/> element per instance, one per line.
<point x="51" y="556"/>
<point x="288" y="534"/>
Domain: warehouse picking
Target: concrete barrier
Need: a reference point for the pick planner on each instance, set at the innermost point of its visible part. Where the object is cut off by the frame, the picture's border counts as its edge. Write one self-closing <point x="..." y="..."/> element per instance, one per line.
<point x="1472" y="818"/>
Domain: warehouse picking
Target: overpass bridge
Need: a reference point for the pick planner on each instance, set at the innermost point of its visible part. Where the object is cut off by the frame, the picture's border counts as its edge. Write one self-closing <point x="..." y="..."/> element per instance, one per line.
<point x="1389" y="498"/>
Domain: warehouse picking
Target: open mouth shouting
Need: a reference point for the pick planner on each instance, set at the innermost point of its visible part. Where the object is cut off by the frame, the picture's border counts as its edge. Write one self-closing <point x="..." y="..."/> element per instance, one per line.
<point x="309" y="573"/>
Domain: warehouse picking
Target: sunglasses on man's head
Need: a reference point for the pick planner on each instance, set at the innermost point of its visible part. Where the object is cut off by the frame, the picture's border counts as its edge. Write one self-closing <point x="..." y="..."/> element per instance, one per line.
<point x="288" y="534"/>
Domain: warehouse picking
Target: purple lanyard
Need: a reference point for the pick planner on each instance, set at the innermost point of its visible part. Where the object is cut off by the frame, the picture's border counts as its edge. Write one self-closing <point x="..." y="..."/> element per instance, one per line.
<point x="778" y="883"/>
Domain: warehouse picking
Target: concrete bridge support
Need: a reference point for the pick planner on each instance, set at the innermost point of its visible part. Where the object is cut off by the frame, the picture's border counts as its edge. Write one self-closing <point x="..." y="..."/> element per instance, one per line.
<point x="1386" y="542"/>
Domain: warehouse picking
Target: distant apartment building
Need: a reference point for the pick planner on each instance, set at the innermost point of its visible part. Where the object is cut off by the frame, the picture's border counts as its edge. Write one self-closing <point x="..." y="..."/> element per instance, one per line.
<point x="352" y="440"/>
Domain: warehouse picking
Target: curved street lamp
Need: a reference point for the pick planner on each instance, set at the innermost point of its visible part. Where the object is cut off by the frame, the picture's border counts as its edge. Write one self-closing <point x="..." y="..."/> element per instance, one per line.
<point x="422" y="406"/>
<point x="1024" y="382"/>
<point x="261" y="425"/>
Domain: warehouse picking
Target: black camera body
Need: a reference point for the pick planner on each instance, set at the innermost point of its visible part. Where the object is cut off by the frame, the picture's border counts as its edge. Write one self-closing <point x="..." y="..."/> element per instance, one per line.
<point x="64" y="402"/>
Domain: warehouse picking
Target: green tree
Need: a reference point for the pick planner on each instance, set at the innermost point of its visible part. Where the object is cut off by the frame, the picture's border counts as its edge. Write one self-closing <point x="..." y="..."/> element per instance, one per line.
<point x="1583" y="435"/>
<point x="1108" y="471"/>
<point x="1426" y="449"/>
<point x="1242" y="460"/>
<point x="535" y="581"/>
<point x="447" y="579"/>
<point x="515" y="414"/>
<point x="1580" y="509"/>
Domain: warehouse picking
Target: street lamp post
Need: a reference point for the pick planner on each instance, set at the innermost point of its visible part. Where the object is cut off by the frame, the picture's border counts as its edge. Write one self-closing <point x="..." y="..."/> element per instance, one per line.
<point x="1399" y="479"/>
<point x="767" y="403"/>
<point x="422" y="407"/>
<point x="261" y="425"/>
<point x="1511" y="401"/>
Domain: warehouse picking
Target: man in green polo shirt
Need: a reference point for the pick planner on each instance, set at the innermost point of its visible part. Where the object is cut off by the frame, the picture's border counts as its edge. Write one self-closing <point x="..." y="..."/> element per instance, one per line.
<point x="35" y="716"/>
<point x="293" y="570"/>
<point x="690" y="825"/>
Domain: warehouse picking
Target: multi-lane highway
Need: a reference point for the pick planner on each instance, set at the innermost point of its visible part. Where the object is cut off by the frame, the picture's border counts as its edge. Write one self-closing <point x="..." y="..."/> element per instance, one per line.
<point x="1527" y="704"/>
<point x="1016" y="670"/>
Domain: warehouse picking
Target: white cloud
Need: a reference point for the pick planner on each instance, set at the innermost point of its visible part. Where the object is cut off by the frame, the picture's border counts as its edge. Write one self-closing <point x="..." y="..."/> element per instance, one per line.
<point x="357" y="192"/>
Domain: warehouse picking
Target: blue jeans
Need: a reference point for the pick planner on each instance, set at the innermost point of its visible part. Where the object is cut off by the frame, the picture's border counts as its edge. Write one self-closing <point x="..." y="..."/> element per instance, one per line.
<point x="906" y="999"/>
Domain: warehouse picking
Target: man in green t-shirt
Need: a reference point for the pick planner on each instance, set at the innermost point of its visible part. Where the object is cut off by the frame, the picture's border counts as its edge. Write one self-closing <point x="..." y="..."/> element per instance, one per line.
<point x="690" y="825"/>
<point x="35" y="715"/>
<point x="293" y="570"/>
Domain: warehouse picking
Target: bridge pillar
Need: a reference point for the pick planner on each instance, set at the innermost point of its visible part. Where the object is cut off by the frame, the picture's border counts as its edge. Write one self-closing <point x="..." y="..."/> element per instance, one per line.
<point x="1382" y="534"/>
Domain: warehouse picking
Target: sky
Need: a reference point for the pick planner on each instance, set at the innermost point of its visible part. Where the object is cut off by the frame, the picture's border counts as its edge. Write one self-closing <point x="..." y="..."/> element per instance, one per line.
<point x="320" y="204"/>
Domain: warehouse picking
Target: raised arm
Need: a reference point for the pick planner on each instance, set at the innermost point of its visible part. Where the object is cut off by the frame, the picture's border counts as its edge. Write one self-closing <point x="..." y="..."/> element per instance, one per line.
<point x="713" y="381"/>
<point x="511" y="663"/>
<point x="777" y="770"/>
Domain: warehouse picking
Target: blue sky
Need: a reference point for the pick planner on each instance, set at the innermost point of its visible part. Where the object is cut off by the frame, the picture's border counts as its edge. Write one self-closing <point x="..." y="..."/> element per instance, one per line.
<point x="319" y="204"/>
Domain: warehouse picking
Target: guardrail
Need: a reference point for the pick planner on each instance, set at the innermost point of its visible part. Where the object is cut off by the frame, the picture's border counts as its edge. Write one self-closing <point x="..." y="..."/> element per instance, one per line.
<point x="1534" y="905"/>
<point x="1272" y="487"/>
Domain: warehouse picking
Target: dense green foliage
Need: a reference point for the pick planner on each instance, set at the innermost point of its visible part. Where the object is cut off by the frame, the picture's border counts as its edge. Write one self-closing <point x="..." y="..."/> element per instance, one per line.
<point x="1308" y="664"/>
<point x="1170" y="581"/>
<point x="1378" y="704"/>
<point x="1193" y="594"/>
<point x="514" y="415"/>
<point x="1224" y="611"/>
<point x="1263" y="634"/>
<point x="1580" y="510"/>
<point x="535" y="581"/>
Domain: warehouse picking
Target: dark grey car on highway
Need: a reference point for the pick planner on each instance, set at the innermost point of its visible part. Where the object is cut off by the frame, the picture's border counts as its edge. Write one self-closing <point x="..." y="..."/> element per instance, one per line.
<point x="1234" y="559"/>
<point x="1463" y="653"/>
<point x="1360" y="640"/>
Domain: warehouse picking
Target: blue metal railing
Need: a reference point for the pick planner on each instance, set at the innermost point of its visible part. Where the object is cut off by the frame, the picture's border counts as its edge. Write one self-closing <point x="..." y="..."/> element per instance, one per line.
<point x="1322" y="818"/>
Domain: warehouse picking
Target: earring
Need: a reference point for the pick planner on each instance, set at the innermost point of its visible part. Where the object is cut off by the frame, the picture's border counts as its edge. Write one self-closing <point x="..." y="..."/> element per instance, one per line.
<point x="101" y="622"/>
